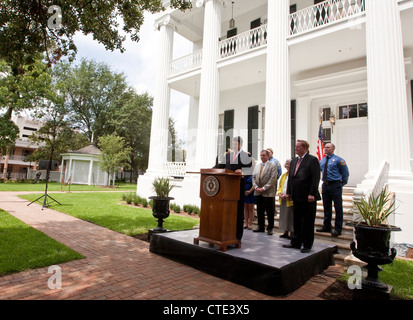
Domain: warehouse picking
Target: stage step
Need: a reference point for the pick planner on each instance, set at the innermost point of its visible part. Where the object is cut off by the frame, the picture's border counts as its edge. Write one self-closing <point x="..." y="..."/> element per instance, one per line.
<point x="346" y="237"/>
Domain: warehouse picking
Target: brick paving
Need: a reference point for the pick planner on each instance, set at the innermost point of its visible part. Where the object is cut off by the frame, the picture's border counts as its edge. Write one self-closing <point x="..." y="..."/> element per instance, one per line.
<point x="119" y="267"/>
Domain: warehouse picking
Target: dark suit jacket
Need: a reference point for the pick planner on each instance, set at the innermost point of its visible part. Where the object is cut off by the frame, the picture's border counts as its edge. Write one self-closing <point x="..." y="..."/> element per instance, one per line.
<point x="244" y="160"/>
<point x="306" y="181"/>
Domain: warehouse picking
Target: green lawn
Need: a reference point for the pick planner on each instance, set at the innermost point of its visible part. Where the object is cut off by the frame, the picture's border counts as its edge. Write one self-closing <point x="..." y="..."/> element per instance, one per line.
<point x="398" y="275"/>
<point x="106" y="210"/>
<point x="56" y="186"/>
<point x="23" y="247"/>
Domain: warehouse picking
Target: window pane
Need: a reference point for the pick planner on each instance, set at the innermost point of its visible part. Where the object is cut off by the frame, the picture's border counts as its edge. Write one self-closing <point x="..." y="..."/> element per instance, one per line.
<point x="352" y="111"/>
<point x="343" y="112"/>
<point x="326" y="114"/>
<point x="327" y="135"/>
<point x="363" y="110"/>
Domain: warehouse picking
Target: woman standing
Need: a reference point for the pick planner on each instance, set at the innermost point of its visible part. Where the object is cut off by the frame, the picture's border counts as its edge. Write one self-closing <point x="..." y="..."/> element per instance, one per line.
<point x="286" y="206"/>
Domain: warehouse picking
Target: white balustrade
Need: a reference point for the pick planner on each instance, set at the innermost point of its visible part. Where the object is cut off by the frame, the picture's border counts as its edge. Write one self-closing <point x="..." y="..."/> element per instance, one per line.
<point x="186" y="63"/>
<point x="243" y="42"/>
<point x="176" y="169"/>
<point x="324" y="13"/>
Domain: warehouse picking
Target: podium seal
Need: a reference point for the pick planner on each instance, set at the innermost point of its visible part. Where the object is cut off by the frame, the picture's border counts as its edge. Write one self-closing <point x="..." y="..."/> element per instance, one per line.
<point x="211" y="186"/>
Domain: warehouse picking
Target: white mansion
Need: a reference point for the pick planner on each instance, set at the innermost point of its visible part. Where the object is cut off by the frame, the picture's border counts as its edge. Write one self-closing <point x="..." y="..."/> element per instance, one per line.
<point x="267" y="69"/>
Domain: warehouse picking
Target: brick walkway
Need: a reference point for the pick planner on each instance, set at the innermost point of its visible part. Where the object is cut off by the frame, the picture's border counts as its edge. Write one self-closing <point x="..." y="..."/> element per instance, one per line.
<point x="121" y="267"/>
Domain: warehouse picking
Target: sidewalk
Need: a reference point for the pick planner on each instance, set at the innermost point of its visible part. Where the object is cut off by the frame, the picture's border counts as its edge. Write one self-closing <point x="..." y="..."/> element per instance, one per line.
<point x="120" y="267"/>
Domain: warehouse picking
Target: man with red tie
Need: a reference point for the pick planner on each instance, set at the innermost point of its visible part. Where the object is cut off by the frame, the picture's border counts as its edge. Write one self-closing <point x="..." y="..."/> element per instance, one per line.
<point x="302" y="189"/>
<point x="235" y="161"/>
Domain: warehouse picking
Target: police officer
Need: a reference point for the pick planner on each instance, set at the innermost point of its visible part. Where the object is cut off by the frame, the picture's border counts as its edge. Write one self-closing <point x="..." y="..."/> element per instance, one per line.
<point x="278" y="164"/>
<point x="335" y="175"/>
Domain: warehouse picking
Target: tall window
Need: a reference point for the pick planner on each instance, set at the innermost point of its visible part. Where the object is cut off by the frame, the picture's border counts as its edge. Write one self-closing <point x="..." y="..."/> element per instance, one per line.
<point x="253" y="113"/>
<point x="293" y="127"/>
<point x="221" y="135"/>
<point x="228" y="128"/>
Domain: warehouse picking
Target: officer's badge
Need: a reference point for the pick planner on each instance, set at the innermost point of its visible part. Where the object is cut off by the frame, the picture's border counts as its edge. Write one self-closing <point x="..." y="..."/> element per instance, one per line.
<point x="342" y="162"/>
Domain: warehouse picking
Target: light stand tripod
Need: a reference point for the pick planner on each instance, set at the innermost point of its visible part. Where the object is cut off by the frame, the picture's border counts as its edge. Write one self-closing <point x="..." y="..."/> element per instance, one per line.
<point x="46" y="201"/>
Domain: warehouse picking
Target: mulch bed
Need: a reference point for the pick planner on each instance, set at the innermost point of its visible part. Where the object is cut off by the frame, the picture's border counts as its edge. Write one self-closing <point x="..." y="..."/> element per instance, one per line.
<point x="337" y="291"/>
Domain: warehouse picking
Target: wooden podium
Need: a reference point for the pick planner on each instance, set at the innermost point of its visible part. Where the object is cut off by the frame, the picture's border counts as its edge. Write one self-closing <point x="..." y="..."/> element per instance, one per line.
<point x="219" y="194"/>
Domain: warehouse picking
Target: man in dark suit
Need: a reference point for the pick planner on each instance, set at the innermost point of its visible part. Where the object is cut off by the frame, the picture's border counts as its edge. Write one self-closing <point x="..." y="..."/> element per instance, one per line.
<point x="235" y="161"/>
<point x="302" y="189"/>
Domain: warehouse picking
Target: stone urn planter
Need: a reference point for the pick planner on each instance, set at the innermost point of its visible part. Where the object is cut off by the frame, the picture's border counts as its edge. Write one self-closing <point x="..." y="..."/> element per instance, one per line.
<point x="372" y="235"/>
<point x="160" y="209"/>
<point x="372" y="246"/>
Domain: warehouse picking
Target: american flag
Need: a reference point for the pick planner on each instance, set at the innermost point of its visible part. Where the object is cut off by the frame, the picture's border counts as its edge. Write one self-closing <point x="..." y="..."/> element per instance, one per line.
<point x="320" y="143"/>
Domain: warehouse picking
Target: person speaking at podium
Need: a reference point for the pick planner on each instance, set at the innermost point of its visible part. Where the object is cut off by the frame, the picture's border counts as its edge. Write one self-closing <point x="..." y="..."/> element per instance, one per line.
<point x="235" y="161"/>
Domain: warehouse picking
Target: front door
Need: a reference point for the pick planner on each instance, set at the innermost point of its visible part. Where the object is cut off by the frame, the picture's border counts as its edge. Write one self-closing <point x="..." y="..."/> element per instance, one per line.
<point x="352" y="146"/>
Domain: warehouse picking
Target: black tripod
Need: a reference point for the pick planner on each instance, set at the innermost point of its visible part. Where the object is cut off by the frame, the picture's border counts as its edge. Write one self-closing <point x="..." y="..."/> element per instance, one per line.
<point x="45" y="196"/>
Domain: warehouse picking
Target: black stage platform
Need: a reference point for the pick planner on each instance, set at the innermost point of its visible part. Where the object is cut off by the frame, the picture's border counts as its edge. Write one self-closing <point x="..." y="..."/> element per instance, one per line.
<point x="261" y="264"/>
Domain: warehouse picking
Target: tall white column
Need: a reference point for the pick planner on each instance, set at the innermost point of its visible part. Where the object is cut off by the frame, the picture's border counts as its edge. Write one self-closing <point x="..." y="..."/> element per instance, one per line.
<point x="278" y="104"/>
<point x="303" y="116"/>
<point x="89" y="179"/>
<point x="209" y="92"/>
<point x="387" y="96"/>
<point x="158" y="150"/>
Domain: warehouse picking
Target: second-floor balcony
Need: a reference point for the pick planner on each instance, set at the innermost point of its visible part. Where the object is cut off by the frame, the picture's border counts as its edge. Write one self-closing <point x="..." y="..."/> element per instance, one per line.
<point x="14" y="159"/>
<point x="301" y="22"/>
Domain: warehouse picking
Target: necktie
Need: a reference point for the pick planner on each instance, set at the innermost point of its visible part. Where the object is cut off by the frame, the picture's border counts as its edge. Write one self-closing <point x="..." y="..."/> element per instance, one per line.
<point x="262" y="169"/>
<point x="298" y="165"/>
<point x="325" y="169"/>
<point x="235" y="156"/>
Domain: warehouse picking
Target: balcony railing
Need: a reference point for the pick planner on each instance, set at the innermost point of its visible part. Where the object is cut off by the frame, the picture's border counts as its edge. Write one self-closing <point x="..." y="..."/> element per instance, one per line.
<point x="176" y="169"/>
<point x="302" y="21"/>
<point x="243" y="42"/>
<point x="14" y="158"/>
<point x="324" y="13"/>
<point x="186" y="63"/>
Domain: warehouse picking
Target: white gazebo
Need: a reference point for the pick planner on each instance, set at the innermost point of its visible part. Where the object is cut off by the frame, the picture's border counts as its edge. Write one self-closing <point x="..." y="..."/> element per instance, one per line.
<point x="82" y="167"/>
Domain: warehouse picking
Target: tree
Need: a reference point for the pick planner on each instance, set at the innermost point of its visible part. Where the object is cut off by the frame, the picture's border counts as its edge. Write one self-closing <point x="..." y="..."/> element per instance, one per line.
<point x="25" y="89"/>
<point x="115" y="154"/>
<point x="132" y="121"/>
<point x="174" y="144"/>
<point x="92" y="92"/>
<point x="8" y="134"/>
<point x="29" y="27"/>
<point x="56" y="136"/>
<point x="18" y="91"/>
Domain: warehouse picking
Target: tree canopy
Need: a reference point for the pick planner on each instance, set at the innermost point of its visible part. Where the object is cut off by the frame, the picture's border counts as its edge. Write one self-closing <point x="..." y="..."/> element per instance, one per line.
<point x="29" y="27"/>
<point x="92" y="92"/>
<point x="115" y="154"/>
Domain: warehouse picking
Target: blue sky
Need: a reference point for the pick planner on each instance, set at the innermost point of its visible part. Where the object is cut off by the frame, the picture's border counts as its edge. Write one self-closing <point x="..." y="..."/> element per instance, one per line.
<point x="138" y="63"/>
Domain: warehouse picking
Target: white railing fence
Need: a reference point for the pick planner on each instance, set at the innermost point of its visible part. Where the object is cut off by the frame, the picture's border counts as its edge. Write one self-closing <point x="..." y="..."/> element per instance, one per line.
<point x="324" y="13"/>
<point x="243" y="42"/>
<point x="186" y="63"/>
<point x="175" y="169"/>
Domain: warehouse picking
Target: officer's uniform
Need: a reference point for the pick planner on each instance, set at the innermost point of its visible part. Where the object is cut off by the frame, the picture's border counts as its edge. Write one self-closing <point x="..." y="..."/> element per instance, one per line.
<point x="279" y="168"/>
<point x="333" y="181"/>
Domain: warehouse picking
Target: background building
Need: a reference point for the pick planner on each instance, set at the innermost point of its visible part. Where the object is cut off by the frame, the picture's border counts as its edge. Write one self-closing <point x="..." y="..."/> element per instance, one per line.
<point x="17" y="168"/>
